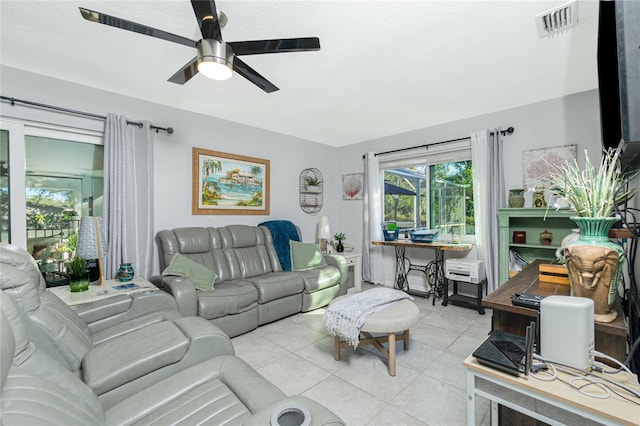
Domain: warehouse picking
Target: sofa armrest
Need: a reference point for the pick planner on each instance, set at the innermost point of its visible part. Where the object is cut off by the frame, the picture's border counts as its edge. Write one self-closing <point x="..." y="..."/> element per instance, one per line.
<point x="341" y="263"/>
<point x="320" y="415"/>
<point x="112" y="311"/>
<point x="182" y="290"/>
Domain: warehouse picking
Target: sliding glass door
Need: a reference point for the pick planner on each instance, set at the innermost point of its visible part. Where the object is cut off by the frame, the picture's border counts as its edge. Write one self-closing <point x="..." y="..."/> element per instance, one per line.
<point x="54" y="176"/>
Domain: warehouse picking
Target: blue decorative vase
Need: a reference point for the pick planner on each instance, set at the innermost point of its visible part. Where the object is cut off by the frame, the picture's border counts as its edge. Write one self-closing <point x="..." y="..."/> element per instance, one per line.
<point x="594" y="264"/>
<point x="125" y="272"/>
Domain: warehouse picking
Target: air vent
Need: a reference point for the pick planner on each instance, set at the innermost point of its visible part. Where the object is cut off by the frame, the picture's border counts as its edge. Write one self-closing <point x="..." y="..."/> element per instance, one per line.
<point x="557" y="20"/>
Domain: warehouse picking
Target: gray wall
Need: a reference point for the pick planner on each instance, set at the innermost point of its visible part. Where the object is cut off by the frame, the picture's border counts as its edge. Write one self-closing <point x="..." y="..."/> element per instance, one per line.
<point x="569" y="120"/>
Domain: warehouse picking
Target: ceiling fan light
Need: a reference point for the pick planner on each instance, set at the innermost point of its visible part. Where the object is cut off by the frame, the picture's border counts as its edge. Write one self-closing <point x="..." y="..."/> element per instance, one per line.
<point x="215" y="59"/>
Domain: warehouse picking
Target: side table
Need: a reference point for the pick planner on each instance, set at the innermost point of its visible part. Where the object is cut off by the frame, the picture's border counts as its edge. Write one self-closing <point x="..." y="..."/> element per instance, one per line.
<point x="461" y="299"/>
<point x="354" y="261"/>
<point x="99" y="292"/>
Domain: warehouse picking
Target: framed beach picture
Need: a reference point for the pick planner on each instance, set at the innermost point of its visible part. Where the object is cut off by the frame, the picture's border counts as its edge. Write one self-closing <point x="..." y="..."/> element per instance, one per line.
<point x="226" y="183"/>
<point x="352" y="186"/>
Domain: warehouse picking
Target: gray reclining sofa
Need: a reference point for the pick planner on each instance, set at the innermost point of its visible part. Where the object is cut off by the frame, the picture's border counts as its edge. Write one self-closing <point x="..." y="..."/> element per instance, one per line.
<point x="251" y="288"/>
<point x="141" y="366"/>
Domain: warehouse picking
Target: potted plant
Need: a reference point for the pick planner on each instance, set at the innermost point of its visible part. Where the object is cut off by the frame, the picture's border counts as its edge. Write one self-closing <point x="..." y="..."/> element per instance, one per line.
<point x="594" y="263"/>
<point x="340" y="237"/>
<point x="312" y="183"/>
<point x="78" y="276"/>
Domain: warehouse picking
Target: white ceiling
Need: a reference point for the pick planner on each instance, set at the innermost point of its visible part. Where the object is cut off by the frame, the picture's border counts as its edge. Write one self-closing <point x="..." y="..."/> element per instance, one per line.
<point x="385" y="67"/>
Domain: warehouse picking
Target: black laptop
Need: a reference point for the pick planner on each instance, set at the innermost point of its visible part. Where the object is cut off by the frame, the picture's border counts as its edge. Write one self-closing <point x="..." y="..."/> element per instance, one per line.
<point x="503" y="351"/>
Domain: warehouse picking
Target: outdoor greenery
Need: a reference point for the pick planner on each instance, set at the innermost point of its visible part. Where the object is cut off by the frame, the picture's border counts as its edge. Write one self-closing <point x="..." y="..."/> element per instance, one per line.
<point x="450" y="194"/>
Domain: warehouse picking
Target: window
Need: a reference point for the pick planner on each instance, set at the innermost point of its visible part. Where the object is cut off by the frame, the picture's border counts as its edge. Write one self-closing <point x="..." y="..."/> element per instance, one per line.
<point x="432" y="190"/>
<point x="63" y="182"/>
<point x="5" y="225"/>
<point x="53" y="176"/>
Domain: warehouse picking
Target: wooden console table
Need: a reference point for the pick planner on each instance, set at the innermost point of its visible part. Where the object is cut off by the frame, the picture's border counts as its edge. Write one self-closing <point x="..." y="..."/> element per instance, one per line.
<point x="433" y="271"/>
<point x="610" y="338"/>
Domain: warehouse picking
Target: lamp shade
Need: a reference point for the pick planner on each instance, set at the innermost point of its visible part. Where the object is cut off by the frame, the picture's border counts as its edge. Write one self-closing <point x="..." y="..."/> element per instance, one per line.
<point x="324" y="230"/>
<point x="91" y="241"/>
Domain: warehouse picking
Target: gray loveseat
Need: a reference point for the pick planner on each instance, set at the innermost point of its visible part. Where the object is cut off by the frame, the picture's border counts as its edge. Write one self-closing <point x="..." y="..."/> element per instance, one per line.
<point x="251" y="288"/>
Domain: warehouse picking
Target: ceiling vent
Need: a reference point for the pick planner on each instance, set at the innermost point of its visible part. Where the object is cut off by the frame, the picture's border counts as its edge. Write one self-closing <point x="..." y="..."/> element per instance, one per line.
<point x="557" y="20"/>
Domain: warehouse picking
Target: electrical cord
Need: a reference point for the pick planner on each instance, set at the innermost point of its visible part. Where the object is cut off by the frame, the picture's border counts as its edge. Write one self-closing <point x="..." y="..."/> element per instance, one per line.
<point x="592" y="380"/>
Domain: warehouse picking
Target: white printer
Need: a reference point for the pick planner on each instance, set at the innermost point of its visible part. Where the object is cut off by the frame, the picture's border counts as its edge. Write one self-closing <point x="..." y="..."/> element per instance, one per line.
<point x="468" y="271"/>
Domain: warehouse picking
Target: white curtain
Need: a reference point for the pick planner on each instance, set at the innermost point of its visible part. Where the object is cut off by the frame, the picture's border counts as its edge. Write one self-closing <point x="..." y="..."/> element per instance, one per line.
<point x="372" y="258"/>
<point x="488" y="196"/>
<point x="128" y="196"/>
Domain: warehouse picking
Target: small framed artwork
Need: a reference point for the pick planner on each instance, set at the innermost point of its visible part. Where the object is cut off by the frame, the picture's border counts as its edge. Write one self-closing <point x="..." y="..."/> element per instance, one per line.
<point x="352" y="186"/>
<point x="537" y="163"/>
<point x="226" y="183"/>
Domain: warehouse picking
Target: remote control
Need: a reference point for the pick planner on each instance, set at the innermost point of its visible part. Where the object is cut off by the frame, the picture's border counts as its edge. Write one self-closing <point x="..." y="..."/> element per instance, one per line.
<point x="525" y="300"/>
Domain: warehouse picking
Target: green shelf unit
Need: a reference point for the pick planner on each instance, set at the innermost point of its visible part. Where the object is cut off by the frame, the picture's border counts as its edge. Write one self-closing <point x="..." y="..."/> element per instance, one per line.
<point x="533" y="221"/>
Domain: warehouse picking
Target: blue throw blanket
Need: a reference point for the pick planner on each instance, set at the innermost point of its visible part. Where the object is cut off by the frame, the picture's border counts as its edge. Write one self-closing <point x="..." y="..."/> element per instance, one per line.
<point x="282" y="231"/>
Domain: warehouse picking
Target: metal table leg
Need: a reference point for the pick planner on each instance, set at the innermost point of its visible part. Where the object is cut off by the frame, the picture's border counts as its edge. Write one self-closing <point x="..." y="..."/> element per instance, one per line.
<point x="401" y="270"/>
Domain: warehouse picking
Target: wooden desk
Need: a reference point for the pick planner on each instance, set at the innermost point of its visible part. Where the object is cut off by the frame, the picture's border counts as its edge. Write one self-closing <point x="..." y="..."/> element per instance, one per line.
<point x="610" y="338"/>
<point x="551" y="402"/>
<point x="433" y="271"/>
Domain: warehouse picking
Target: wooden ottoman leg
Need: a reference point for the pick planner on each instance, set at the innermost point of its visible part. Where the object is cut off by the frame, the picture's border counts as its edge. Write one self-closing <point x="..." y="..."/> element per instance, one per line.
<point x="336" y="348"/>
<point x="392" y="354"/>
<point x="406" y="340"/>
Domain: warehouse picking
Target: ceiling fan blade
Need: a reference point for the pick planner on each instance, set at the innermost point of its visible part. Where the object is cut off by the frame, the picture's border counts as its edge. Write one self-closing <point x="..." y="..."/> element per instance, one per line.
<point x="257" y="47"/>
<point x="207" y="16"/>
<point x="252" y="75"/>
<point x="112" y="21"/>
<point x="185" y="73"/>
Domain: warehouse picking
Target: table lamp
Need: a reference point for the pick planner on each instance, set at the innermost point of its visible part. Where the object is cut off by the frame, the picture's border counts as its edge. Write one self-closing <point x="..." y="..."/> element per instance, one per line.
<point x="91" y="241"/>
<point x="324" y="233"/>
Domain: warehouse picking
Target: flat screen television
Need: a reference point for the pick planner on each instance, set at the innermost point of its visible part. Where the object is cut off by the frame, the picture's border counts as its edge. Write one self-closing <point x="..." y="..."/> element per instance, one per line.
<point x="619" y="77"/>
<point x="619" y="88"/>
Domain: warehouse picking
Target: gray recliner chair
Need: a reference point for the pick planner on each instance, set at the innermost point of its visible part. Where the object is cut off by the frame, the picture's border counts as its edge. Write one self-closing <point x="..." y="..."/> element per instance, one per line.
<point x="147" y="342"/>
<point x="35" y="388"/>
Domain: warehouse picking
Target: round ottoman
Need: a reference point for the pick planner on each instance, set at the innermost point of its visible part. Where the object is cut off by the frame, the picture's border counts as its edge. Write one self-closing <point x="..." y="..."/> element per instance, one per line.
<point x="398" y="318"/>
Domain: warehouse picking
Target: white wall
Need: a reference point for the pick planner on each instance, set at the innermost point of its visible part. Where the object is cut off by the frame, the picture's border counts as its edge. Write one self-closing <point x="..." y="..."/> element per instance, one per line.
<point x="570" y="120"/>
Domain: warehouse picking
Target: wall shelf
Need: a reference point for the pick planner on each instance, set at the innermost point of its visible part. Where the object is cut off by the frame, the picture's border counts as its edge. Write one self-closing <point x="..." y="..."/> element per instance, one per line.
<point x="311" y="200"/>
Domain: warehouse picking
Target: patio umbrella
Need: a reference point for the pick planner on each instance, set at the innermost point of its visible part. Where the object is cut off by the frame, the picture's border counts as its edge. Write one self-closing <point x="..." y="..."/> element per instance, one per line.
<point x="394" y="191"/>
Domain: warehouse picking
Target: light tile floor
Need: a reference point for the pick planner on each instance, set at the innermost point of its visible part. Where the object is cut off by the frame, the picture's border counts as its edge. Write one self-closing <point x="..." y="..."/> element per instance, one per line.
<point x="296" y="354"/>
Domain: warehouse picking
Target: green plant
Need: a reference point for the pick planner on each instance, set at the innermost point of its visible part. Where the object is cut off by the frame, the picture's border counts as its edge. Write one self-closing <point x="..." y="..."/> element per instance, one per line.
<point x="72" y="241"/>
<point x="594" y="191"/>
<point x="77" y="266"/>
<point x="312" y="180"/>
<point x="340" y="236"/>
<point x="44" y="265"/>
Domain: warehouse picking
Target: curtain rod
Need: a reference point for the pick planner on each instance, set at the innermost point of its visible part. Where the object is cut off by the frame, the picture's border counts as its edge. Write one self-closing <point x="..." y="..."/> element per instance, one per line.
<point x="508" y="131"/>
<point x="13" y="102"/>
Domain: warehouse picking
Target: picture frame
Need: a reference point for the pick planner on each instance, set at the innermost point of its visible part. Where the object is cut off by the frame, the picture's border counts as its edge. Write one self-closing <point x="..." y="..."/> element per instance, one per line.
<point x="537" y="163"/>
<point x="353" y="186"/>
<point x="224" y="183"/>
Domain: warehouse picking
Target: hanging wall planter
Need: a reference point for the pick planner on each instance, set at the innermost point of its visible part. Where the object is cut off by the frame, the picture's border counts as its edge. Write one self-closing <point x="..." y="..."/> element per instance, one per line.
<point x="311" y="190"/>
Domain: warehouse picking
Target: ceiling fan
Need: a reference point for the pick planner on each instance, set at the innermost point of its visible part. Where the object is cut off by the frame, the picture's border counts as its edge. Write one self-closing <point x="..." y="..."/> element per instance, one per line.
<point x="216" y="59"/>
